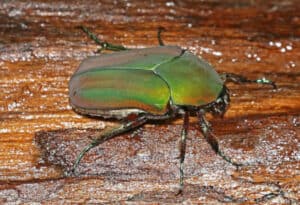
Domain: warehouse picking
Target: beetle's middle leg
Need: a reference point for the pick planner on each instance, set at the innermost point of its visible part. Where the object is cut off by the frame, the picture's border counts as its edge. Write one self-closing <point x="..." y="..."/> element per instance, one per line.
<point x="211" y="138"/>
<point x="182" y="149"/>
<point x="109" y="135"/>
<point x="231" y="77"/>
<point x="104" y="44"/>
<point x="159" y="31"/>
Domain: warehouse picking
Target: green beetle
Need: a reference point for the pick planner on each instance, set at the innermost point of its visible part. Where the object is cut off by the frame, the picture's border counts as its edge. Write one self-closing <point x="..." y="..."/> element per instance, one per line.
<point x="155" y="83"/>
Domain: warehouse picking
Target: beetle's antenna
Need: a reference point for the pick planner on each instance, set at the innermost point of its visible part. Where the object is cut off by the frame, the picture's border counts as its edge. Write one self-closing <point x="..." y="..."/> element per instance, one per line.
<point x="231" y="77"/>
<point x="160" y="30"/>
<point x="104" y="45"/>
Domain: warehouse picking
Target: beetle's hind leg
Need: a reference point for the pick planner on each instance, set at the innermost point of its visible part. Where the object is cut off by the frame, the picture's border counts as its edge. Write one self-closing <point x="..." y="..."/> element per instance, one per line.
<point x="211" y="138"/>
<point x="104" y="45"/>
<point x="231" y="77"/>
<point x="114" y="132"/>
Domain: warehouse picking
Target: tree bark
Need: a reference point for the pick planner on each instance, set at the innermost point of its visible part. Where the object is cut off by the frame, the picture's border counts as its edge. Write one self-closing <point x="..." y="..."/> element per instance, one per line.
<point x="41" y="136"/>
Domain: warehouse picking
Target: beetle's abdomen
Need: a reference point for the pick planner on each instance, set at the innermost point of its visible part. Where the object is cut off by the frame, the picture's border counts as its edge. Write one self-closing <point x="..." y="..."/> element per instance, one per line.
<point x="192" y="81"/>
<point x="119" y="89"/>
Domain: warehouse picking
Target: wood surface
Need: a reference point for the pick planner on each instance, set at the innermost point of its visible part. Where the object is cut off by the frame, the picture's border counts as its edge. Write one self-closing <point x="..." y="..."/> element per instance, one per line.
<point x="40" y="135"/>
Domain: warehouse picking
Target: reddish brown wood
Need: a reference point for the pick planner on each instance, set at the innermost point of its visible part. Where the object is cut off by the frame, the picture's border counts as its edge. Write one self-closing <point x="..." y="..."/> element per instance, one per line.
<point x="40" y="135"/>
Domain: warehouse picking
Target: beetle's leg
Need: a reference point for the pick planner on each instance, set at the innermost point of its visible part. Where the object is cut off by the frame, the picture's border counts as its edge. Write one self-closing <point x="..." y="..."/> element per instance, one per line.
<point x="231" y="77"/>
<point x="182" y="149"/>
<point x="104" y="45"/>
<point x="160" y="29"/>
<point x="211" y="139"/>
<point x="109" y="135"/>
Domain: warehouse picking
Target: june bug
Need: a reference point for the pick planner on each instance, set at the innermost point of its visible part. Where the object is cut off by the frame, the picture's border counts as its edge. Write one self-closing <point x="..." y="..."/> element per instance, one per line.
<point x="158" y="83"/>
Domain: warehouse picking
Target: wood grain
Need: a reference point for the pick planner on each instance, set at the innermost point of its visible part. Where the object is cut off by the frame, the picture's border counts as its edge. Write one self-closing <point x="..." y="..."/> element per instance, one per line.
<point x="40" y="135"/>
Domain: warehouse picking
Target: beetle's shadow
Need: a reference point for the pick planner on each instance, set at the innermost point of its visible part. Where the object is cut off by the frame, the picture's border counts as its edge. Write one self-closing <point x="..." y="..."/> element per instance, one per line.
<point x="128" y="155"/>
<point x="152" y="150"/>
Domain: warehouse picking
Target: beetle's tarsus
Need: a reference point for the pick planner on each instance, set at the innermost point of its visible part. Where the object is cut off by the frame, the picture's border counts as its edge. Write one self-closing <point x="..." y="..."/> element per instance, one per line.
<point x="104" y="45"/>
<point x="80" y="156"/>
<point x="160" y="30"/>
<point x="231" y="77"/>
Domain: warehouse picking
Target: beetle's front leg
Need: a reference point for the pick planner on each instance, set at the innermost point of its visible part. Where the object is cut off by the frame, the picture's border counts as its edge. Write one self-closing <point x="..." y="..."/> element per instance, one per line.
<point x="109" y="135"/>
<point x="231" y="77"/>
<point x="211" y="139"/>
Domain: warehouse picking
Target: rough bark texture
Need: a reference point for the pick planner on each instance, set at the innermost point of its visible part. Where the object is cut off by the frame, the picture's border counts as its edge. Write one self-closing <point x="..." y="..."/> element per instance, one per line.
<point x="40" y="135"/>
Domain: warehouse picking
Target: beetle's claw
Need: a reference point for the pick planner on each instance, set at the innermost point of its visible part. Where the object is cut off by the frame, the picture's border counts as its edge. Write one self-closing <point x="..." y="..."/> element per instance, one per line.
<point x="73" y="170"/>
<point x="179" y="192"/>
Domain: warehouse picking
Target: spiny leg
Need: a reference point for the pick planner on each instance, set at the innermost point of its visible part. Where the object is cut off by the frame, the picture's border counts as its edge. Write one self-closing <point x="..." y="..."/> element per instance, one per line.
<point x="160" y="30"/>
<point x="211" y="139"/>
<point x="109" y="135"/>
<point x="182" y="149"/>
<point x="231" y="77"/>
<point x="104" y="45"/>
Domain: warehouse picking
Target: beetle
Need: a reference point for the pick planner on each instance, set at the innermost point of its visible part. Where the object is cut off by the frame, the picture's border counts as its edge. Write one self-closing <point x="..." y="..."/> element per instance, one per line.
<point x="156" y="83"/>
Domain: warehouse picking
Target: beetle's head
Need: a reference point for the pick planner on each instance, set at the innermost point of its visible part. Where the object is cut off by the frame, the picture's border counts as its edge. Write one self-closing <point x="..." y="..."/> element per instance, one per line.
<point x="220" y="105"/>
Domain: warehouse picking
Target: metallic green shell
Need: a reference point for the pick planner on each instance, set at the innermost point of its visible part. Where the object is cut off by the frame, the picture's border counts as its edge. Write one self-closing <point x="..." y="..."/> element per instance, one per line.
<point x="192" y="81"/>
<point x="117" y="89"/>
<point x="142" y="80"/>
